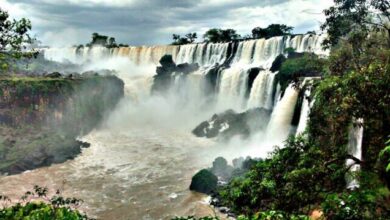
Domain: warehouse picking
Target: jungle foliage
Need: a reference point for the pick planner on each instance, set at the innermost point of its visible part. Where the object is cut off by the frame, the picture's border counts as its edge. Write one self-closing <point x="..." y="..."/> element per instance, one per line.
<point x="37" y="205"/>
<point x="14" y="38"/>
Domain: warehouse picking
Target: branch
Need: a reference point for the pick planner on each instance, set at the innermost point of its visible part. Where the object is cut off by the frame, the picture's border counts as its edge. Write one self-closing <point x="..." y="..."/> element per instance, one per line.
<point x="348" y="156"/>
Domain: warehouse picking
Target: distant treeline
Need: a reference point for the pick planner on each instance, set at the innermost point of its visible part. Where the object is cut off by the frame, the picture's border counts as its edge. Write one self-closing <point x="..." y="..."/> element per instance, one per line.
<point x="216" y="35"/>
<point x="102" y="40"/>
<point x="213" y="35"/>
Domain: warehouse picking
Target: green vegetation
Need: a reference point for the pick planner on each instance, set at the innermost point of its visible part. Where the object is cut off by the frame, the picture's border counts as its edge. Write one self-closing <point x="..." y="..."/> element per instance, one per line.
<point x="188" y="39"/>
<point x="14" y="37"/>
<point x="215" y="35"/>
<point x="306" y="65"/>
<point x="356" y="20"/>
<point x="101" y="40"/>
<point x="272" y="30"/>
<point x="37" y="205"/>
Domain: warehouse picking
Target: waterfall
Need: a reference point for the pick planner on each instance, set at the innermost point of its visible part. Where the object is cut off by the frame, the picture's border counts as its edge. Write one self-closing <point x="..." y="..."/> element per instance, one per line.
<point x="305" y="109"/>
<point x="280" y="123"/>
<point x="231" y="84"/>
<point x="355" y="142"/>
<point x="232" y="88"/>
<point x="267" y="50"/>
<point x="262" y="89"/>
<point x="257" y="53"/>
<point x="244" y="52"/>
<point x="304" y="114"/>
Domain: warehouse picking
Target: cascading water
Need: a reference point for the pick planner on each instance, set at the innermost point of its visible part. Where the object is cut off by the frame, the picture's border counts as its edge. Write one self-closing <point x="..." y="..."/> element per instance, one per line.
<point x="232" y="81"/>
<point x="304" y="114"/>
<point x="232" y="88"/>
<point x="262" y="90"/>
<point x="252" y="53"/>
<point x="305" y="109"/>
<point x="355" y="149"/>
<point x="142" y="158"/>
<point x="279" y="126"/>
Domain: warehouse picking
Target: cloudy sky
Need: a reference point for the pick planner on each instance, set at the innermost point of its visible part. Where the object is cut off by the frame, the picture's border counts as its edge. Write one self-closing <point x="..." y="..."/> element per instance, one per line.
<point x="146" y="22"/>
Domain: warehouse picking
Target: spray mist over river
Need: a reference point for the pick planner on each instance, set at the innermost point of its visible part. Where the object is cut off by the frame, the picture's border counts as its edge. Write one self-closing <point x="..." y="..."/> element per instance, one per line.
<point x="142" y="158"/>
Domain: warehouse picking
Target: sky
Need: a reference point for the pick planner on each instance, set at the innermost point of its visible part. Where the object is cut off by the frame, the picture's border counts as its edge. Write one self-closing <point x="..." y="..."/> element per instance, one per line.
<point x="152" y="22"/>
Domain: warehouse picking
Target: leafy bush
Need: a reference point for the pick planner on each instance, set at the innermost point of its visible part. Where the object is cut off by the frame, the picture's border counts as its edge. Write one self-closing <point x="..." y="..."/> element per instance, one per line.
<point x="37" y="206"/>
<point x="307" y="65"/>
<point x="292" y="179"/>
<point x="355" y="205"/>
<point x="274" y="215"/>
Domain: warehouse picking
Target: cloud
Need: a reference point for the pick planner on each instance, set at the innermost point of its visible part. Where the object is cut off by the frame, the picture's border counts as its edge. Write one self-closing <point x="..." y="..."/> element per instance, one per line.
<point x="65" y="37"/>
<point x="154" y="21"/>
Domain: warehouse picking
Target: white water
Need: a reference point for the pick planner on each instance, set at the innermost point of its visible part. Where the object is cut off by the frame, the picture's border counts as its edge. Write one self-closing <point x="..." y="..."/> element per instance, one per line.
<point x="232" y="83"/>
<point x="232" y="88"/>
<point x="262" y="90"/>
<point x="305" y="109"/>
<point x="141" y="160"/>
<point x="355" y="149"/>
<point x="280" y="124"/>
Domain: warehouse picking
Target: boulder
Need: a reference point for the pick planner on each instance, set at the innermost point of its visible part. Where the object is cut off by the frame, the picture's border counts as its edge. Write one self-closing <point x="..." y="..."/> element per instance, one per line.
<point x="229" y="124"/>
<point x="167" y="62"/>
<point x="187" y="68"/>
<point x="167" y="71"/>
<point x="204" y="182"/>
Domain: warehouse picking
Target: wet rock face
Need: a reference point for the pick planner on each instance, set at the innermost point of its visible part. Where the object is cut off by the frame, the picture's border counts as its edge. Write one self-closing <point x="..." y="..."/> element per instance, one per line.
<point x="277" y="64"/>
<point x="229" y="124"/>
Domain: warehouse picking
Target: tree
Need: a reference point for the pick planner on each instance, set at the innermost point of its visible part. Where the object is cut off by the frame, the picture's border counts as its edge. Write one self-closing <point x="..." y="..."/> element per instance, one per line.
<point x="272" y="30"/>
<point x="188" y="39"/>
<point x="212" y="35"/>
<point x="355" y="20"/>
<point x="111" y="42"/>
<point x="176" y="37"/>
<point x="215" y="35"/>
<point x="229" y="35"/>
<point x="191" y="37"/>
<point x="14" y="38"/>
<point x="98" y="39"/>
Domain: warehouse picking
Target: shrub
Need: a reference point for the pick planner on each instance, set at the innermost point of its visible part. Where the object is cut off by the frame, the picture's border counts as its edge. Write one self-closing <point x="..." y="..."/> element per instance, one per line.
<point x="37" y="206"/>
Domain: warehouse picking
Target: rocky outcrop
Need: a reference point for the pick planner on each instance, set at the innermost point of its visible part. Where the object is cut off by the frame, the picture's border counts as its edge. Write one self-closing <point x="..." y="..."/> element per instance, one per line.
<point x="41" y="117"/>
<point x="167" y="72"/>
<point x="229" y="124"/>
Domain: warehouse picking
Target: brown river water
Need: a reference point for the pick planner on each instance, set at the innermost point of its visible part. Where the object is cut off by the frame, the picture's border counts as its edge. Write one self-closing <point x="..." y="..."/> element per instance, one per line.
<point x="139" y="166"/>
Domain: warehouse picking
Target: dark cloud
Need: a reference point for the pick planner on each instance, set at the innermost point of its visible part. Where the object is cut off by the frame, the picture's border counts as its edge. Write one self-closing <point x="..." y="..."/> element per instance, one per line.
<point x="153" y="21"/>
